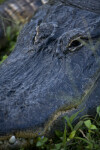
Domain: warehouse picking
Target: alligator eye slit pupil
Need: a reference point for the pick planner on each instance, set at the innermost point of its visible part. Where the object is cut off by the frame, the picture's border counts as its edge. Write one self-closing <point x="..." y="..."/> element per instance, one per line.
<point x="75" y="43"/>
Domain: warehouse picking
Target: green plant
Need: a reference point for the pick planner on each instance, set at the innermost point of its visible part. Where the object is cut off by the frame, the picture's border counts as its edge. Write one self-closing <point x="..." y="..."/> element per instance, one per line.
<point x="1" y="1"/>
<point x="83" y="135"/>
<point x="41" y="142"/>
<point x="11" y="38"/>
<point x="3" y="58"/>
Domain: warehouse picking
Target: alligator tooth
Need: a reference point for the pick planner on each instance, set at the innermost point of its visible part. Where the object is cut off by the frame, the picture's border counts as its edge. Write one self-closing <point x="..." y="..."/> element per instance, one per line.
<point x="12" y="140"/>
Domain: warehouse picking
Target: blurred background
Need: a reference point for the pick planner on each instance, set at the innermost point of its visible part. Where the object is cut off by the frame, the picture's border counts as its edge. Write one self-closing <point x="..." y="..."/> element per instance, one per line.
<point x="13" y="15"/>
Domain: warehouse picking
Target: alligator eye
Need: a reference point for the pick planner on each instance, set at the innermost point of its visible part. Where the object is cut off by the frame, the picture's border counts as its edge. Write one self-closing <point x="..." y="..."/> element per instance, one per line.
<point x="75" y="44"/>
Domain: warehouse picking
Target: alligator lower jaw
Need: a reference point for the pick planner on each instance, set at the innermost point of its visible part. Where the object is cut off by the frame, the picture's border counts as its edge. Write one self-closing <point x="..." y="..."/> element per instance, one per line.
<point x="26" y="138"/>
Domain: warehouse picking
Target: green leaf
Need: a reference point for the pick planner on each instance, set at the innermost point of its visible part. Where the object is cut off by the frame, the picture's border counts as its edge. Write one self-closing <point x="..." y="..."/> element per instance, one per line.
<point x="21" y="148"/>
<point x="68" y="139"/>
<point x="58" y="146"/>
<point x="78" y="125"/>
<point x="41" y="141"/>
<point x="68" y="122"/>
<point x="39" y="144"/>
<point x="93" y="127"/>
<point x="4" y="57"/>
<point x="98" y="110"/>
<point x="58" y="133"/>
<point x="72" y="135"/>
<point x="44" y="140"/>
<point x="74" y="116"/>
<point x="88" y="123"/>
<point x="83" y="139"/>
<point x="64" y="137"/>
<point x="8" y="33"/>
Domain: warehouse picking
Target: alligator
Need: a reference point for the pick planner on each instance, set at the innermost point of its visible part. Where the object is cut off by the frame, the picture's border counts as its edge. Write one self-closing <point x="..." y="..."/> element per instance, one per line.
<point x="53" y="71"/>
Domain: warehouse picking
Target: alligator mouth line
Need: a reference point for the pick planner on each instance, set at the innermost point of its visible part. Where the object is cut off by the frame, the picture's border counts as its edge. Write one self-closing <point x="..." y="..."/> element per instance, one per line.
<point x="25" y="137"/>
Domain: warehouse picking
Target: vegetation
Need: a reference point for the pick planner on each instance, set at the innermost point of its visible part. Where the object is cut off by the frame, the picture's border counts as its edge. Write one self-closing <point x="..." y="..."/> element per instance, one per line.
<point x="1" y="1"/>
<point x="85" y="135"/>
<point x="11" y="38"/>
<point x="11" y="34"/>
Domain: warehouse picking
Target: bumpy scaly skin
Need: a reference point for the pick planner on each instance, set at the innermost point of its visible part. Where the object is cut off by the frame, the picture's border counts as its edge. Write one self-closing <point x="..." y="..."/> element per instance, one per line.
<point x="53" y="71"/>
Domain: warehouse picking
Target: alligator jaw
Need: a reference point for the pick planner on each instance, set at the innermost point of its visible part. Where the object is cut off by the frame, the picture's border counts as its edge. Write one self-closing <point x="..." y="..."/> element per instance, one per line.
<point x="26" y="138"/>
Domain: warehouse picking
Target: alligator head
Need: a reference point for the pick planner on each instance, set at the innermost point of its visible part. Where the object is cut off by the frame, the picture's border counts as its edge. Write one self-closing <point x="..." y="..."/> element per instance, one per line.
<point x="53" y="71"/>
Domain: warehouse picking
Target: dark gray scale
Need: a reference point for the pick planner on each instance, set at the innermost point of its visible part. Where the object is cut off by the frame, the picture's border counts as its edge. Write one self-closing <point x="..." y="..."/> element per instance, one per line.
<point x="71" y="41"/>
<point x="45" y="33"/>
